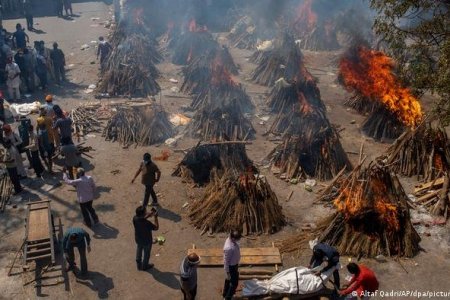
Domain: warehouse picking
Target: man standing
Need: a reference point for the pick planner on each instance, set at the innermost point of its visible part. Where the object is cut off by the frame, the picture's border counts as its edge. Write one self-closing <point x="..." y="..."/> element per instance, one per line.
<point x="20" y="38"/>
<point x="9" y="159"/>
<point x="41" y="70"/>
<point x="231" y="258"/>
<point x="188" y="276"/>
<point x="363" y="281"/>
<point x="59" y="61"/>
<point x="85" y="187"/>
<point x="150" y="175"/>
<point x="48" y="106"/>
<point x="143" y="236"/>
<point x="70" y="153"/>
<point x="103" y="50"/>
<point x="33" y="147"/>
<point x="27" y="73"/>
<point x="28" y="12"/>
<point x="68" y="7"/>
<point x="76" y="237"/>
<point x="16" y="143"/>
<point x="13" y="79"/>
<point x="62" y="124"/>
<point x="323" y="252"/>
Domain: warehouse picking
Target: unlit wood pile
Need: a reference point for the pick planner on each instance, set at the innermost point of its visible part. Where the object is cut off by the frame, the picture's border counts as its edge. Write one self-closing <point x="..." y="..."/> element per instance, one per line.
<point x="6" y="190"/>
<point x="222" y="122"/>
<point x="130" y="69"/>
<point x="198" y="73"/>
<point x="191" y="45"/>
<point x="423" y="151"/>
<point x="139" y="125"/>
<point x="434" y="196"/>
<point x="198" y="163"/>
<point x="245" y="202"/>
<point x="243" y="34"/>
<point x="85" y="119"/>
<point x="372" y="217"/>
<point x="382" y="125"/>
<point x="281" y="62"/>
<point x="361" y="104"/>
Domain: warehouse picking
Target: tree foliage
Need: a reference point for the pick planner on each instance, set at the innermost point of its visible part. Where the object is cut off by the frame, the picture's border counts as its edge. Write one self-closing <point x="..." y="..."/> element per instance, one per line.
<point x="417" y="33"/>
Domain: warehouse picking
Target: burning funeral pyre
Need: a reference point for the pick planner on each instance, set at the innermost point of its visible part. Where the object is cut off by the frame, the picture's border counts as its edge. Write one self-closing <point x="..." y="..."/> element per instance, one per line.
<point x="220" y="109"/>
<point x="130" y="69"/>
<point x="140" y="125"/>
<point x="198" y="73"/>
<point x="423" y="151"/>
<point x="372" y="217"/>
<point x="281" y="61"/>
<point x="369" y="75"/>
<point x="194" y="42"/>
<point x="245" y="202"/>
<point x="311" y="146"/>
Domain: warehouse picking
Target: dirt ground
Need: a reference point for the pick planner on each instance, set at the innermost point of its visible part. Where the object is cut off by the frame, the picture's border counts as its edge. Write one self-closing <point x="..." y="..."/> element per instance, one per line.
<point x="112" y="271"/>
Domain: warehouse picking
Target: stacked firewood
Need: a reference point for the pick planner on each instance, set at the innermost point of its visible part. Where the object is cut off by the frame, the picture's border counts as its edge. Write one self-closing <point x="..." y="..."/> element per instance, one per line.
<point x="139" y="125"/>
<point x="372" y="217"/>
<point x="245" y="202"/>
<point x="281" y="62"/>
<point x="85" y="119"/>
<point x="434" y="196"/>
<point x="198" y="163"/>
<point x="6" y="190"/>
<point x="423" y="151"/>
<point x="382" y="125"/>
<point x="243" y="34"/>
<point x="130" y="69"/>
<point x="361" y="104"/>
<point x="198" y="73"/>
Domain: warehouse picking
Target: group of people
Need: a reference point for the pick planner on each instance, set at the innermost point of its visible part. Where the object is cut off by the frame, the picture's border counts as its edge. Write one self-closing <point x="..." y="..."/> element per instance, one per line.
<point x="25" y="68"/>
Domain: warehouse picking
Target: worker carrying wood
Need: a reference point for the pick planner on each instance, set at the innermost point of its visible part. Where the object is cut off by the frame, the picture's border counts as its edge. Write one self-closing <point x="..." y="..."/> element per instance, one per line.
<point x="231" y="258"/>
<point x="363" y="282"/>
<point x="188" y="276"/>
<point x="76" y="237"/>
<point x="325" y="253"/>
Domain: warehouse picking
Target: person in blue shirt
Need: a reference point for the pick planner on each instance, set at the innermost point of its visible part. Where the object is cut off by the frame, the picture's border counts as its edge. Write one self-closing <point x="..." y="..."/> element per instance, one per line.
<point x="20" y="38"/>
<point x="76" y="237"/>
<point x="323" y="252"/>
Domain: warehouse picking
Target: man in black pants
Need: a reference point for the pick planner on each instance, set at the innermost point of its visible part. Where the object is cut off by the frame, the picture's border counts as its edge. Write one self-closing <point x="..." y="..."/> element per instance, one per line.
<point x="85" y="193"/>
<point x="323" y="252"/>
<point x="76" y="237"/>
<point x="231" y="258"/>
<point x="150" y="175"/>
<point x="143" y="236"/>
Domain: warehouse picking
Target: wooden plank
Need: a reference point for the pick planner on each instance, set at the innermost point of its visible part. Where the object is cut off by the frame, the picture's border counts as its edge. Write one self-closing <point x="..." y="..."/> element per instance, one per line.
<point x="39" y="257"/>
<point x="244" y="251"/>
<point x="38" y="226"/>
<point x="36" y="245"/>
<point x="434" y="183"/>
<point x="38" y="202"/>
<point x="427" y="196"/>
<point x="249" y="256"/>
<point x="39" y="251"/>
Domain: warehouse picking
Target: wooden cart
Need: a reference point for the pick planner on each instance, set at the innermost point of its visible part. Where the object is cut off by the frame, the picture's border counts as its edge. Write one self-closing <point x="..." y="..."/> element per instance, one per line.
<point x="40" y="235"/>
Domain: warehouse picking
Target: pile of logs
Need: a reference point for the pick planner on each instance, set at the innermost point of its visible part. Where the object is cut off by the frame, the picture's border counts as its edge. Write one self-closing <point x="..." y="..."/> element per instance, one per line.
<point x="198" y="163"/>
<point x="244" y="202"/>
<point x="243" y="34"/>
<point x="192" y="44"/>
<point x="362" y="105"/>
<point x="382" y="125"/>
<point x="424" y="151"/>
<point x="139" y="125"/>
<point x="281" y="62"/>
<point x="221" y="121"/>
<point x="434" y="196"/>
<point x="130" y="69"/>
<point x="372" y="217"/>
<point x="85" y="119"/>
<point x="6" y="190"/>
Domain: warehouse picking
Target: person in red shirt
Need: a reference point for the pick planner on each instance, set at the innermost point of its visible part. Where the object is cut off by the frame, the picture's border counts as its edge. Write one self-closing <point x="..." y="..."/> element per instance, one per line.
<point x="364" y="281"/>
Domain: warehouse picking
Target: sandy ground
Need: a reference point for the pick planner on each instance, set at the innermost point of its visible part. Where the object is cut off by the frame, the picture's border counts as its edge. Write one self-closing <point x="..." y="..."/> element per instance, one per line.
<point x="111" y="262"/>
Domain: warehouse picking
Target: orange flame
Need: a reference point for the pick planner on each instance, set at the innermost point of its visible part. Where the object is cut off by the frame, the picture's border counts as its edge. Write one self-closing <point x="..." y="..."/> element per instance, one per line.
<point x="306" y="18"/>
<point x="219" y="73"/>
<point x="371" y="75"/>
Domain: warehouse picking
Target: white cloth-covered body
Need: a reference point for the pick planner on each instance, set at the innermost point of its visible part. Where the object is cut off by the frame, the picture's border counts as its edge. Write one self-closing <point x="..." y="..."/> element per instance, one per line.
<point x="297" y="280"/>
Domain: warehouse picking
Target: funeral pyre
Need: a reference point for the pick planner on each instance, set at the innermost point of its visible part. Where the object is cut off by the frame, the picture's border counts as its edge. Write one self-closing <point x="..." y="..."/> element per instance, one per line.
<point x="369" y="74"/>
<point x="372" y="216"/>
<point x="141" y="125"/>
<point x="423" y="151"/>
<point x="220" y="108"/>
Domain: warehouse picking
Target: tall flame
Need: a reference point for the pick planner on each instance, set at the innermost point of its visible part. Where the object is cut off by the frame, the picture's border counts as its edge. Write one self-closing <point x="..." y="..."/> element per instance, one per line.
<point x="371" y="75"/>
<point x="306" y="17"/>
<point x="219" y="73"/>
